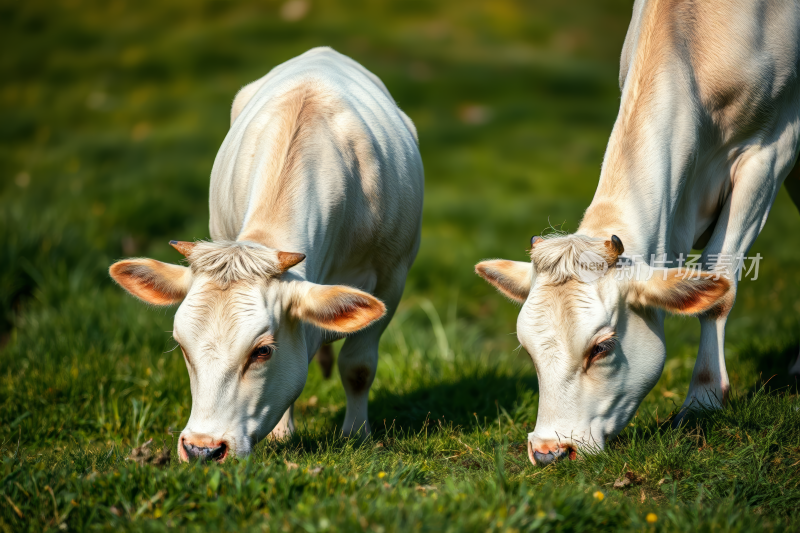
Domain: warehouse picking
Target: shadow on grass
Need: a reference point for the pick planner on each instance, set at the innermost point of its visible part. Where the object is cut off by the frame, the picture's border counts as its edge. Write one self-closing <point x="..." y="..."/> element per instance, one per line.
<point x="772" y="363"/>
<point x="463" y="402"/>
<point x="471" y="399"/>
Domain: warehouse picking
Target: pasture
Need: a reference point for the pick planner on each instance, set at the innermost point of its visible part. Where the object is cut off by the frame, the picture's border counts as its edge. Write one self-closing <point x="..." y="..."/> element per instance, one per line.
<point x="112" y="113"/>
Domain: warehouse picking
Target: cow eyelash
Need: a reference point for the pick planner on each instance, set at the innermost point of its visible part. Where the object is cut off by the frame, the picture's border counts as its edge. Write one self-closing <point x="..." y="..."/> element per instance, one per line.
<point x="601" y="349"/>
<point x="185" y="355"/>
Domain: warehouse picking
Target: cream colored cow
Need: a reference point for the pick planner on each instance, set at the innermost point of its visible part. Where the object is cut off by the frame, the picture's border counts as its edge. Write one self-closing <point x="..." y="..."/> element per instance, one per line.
<point x="316" y="202"/>
<point x="707" y="131"/>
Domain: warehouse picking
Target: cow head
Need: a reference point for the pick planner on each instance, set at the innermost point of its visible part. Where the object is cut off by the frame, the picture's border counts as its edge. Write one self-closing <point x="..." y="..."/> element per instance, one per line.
<point x="593" y="326"/>
<point x="241" y="326"/>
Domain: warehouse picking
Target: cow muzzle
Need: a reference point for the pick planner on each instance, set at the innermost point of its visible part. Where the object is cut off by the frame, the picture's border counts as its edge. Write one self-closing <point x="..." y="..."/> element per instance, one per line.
<point x="543" y="455"/>
<point x="202" y="448"/>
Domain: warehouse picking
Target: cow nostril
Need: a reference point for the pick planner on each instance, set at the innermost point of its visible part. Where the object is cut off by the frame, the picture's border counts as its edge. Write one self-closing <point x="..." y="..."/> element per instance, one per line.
<point x="192" y="451"/>
<point x="218" y="453"/>
<point x="572" y="453"/>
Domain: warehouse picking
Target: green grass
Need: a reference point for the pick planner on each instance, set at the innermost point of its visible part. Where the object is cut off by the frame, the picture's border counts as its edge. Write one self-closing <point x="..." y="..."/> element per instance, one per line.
<point x="112" y="113"/>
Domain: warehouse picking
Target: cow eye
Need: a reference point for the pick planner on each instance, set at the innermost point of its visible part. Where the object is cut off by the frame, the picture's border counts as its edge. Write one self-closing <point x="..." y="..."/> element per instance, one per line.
<point x="601" y="349"/>
<point x="261" y="353"/>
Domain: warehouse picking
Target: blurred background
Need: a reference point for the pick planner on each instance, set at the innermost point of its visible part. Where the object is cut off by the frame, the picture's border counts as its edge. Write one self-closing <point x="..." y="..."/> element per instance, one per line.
<point x="113" y="111"/>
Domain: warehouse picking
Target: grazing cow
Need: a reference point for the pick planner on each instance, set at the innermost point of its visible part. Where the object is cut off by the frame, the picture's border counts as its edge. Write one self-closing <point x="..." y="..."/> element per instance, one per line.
<point x="706" y="133"/>
<point x="317" y="189"/>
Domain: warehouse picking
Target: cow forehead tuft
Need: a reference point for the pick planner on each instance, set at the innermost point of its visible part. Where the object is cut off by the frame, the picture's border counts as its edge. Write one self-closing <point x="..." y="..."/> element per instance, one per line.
<point x="226" y="262"/>
<point x="559" y="255"/>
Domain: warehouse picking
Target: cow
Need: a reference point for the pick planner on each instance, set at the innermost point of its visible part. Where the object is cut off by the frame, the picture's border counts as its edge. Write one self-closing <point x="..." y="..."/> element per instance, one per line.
<point x="707" y="131"/>
<point x="315" y="212"/>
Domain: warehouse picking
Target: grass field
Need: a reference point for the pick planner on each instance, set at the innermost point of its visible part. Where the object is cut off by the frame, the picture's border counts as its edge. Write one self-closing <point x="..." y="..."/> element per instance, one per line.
<point x="112" y="113"/>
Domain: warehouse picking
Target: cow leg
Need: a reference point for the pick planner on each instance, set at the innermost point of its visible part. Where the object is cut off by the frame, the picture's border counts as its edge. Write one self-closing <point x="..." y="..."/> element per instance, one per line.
<point x="358" y="362"/>
<point x="710" y="385"/>
<point x="741" y="220"/>
<point x="325" y="359"/>
<point x="285" y="427"/>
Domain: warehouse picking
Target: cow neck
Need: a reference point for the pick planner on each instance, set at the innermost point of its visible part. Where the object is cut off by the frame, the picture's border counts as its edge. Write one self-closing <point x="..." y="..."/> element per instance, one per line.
<point x="649" y="158"/>
<point x="641" y="212"/>
<point x="260" y="236"/>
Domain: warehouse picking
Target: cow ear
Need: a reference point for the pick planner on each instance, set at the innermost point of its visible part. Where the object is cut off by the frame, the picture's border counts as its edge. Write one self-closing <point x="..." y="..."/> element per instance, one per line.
<point x="154" y="282"/>
<point x="683" y="292"/>
<point x="512" y="278"/>
<point x="335" y="308"/>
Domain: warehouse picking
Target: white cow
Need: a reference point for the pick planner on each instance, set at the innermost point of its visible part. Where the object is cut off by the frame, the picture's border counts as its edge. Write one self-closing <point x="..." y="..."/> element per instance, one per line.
<point x="319" y="164"/>
<point x="706" y="133"/>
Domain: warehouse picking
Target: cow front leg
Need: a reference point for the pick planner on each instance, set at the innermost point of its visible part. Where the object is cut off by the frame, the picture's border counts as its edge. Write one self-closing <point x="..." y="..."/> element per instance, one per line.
<point x="710" y="385"/>
<point x="358" y="362"/>
<point x="285" y="427"/>
<point x="756" y="182"/>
